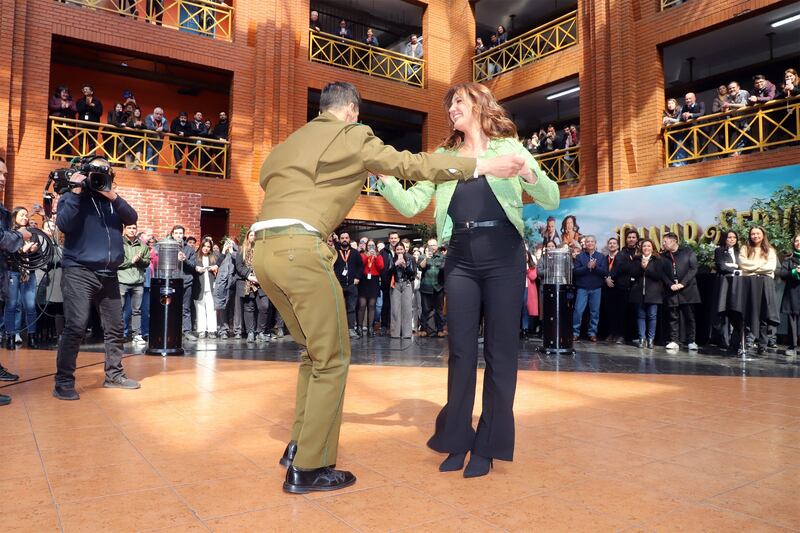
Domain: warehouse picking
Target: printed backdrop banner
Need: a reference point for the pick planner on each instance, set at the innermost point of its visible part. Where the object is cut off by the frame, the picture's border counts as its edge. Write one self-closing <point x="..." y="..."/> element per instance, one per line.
<point x="692" y="209"/>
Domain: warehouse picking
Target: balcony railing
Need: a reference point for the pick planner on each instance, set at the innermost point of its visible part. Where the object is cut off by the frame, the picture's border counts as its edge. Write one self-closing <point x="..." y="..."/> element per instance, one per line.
<point x="670" y="3"/>
<point x="211" y="18"/>
<point x="561" y="166"/>
<point x="137" y="148"/>
<point x="539" y="42"/>
<point x="751" y="129"/>
<point x="352" y="55"/>
<point x="370" y="187"/>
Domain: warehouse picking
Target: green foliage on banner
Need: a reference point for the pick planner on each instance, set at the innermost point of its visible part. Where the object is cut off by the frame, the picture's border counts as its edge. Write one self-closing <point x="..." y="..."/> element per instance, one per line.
<point x="779" y="215"/>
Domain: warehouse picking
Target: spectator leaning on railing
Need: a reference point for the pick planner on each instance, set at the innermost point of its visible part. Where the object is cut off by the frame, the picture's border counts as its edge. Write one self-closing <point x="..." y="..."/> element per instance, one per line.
<point x="763" y="91"/>
<point x="156" y="122"/>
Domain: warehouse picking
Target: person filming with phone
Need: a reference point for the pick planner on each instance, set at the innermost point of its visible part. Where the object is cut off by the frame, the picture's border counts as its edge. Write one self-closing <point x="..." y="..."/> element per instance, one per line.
<point x="369" y="287"/>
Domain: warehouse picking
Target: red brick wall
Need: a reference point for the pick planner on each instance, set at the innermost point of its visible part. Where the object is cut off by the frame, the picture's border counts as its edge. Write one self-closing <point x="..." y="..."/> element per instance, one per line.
<point x="617" y="60"/>
<point x="159" y="211"/>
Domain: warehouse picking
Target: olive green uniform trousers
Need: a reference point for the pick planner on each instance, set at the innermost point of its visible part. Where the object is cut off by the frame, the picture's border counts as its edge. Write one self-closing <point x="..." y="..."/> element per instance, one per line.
<point x="295" y="269"/>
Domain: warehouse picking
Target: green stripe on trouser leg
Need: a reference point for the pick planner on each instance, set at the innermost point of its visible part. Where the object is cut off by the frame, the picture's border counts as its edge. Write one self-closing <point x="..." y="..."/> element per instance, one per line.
<point x="297" y="275"/>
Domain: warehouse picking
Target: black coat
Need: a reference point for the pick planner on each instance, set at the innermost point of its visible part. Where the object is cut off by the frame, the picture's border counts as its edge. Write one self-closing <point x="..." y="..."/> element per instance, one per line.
<point x="721" y="257"/>
<point x="242" y="272"/>
<point x="681" y="265"/>
<point x="185" y="129"/>
<point x="88" y="112"/>
<point x="407" y="273"/>
<point x="648" y="284"/>
<point x="355" y="268"/>
<point x="622" y="271"/>
<point x="791" y="291"/>
<point x="220" y="130"/>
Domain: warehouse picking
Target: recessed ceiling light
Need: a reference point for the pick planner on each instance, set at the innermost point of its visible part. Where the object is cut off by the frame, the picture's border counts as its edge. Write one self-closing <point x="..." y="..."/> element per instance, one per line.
<point x="787" y="20"/>
<point x="563" y="93"/>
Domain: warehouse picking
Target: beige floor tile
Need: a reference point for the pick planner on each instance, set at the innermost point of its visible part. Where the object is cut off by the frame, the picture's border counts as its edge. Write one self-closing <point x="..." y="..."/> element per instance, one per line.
<point x="298" y="517"/>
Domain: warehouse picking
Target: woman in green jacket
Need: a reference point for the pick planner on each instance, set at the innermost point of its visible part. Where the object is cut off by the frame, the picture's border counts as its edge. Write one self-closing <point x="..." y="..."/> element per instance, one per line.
<point x="481" y="221"/>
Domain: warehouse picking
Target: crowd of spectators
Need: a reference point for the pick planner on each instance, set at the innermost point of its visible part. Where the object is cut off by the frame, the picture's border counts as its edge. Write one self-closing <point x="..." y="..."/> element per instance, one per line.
<point x="632" y="289"/>
<point x="729" y="98"/>
<point x="548" y="139"/>
<point x="137" y="139"/>
<point x="413" y="47"/>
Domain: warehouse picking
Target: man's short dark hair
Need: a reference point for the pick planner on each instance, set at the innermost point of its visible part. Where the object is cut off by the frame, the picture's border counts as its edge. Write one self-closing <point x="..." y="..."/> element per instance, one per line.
<point x="759" y="77"/>
<point x="339" y="94"/>
<point x="177" y="226"/>
<point x="89" y="85"/>
<point x="191" y="238"/>
<point x="671" y="235"/>
<point x="393" y="233"/>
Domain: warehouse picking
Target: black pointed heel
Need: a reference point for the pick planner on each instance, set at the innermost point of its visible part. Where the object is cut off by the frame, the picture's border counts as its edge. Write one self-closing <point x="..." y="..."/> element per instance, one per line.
<point x="478" y="466"/>
<point x="454" y="462"/>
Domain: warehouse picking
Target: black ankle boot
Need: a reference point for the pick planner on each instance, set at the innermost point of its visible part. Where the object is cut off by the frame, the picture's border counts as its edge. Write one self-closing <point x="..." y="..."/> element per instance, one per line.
<point x="33" y="343"/>
<point x="478" y="466"/>
<point x="454" y="462"/>
<point x="9" y="342"/>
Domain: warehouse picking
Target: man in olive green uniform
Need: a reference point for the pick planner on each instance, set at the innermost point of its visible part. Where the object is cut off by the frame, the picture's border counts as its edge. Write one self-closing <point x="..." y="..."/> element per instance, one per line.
<point x="310" y="183"/>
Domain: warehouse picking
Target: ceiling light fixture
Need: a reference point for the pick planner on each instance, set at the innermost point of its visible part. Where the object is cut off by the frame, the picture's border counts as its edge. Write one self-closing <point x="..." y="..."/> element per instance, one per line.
<point x="787" y="20"/>
<point x="563" y="93"/>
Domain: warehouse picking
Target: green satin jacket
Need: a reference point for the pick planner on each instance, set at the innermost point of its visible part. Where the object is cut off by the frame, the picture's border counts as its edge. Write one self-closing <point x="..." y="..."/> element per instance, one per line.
<point x="410" y="202"/>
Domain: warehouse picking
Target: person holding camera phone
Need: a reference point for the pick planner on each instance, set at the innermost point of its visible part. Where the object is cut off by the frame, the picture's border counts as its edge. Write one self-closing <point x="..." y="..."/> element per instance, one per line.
<point x="402" y="273"/>
<point x="369" y="287"/>
<point x="91" y="221"/>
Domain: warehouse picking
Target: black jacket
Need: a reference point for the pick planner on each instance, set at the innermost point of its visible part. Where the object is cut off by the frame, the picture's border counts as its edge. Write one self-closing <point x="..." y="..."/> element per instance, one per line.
<point x="355" y="268"/>
<point x="388" y="260"/>
<point x="648" y="286"/>
<point x="681" y="266"/>
<point x="10" y="242"/>
<point x="696" y="111"/>
<point x="242" y="272"/>
<point x="87" y="112"/>
<point x="185" y="130"/>
<point x="721" y="257"/>
<point x="92" y="227"/>
<point x="624" y="267"/>
<point x="791" y="291"/>
<point x="199" y="129"/>
<point x="407" y="273"/>
<point x="220" y="130"/>
<point x="188" y="266"/>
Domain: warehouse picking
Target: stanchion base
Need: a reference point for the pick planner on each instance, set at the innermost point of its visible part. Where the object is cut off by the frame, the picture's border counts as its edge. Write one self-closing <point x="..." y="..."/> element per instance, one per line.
<point x="558" y="351"/>
<point x="164" y="351"/>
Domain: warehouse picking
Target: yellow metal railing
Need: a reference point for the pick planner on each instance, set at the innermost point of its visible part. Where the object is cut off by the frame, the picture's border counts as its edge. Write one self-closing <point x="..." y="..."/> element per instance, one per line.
<point x="539" y="42"/>
<point x="751" y="129"/>
<point x="670" y="3"/>
<point x="561" y="166"/>
<point x="352" y="55"/>
<point x="138" y="148"/>
<point x="211" y="18"/>
<point x="370" y="187"/>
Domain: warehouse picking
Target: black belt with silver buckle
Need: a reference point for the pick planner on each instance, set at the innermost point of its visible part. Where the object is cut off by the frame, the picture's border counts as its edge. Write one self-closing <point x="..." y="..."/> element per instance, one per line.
<point x="470" y="224"/>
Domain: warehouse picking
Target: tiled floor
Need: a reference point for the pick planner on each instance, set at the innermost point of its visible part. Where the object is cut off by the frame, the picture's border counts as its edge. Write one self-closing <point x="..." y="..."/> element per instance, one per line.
<point x="197" y="449"/>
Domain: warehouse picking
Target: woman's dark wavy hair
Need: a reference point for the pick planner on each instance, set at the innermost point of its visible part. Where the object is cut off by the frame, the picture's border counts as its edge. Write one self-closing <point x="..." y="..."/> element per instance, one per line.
<point x="14" y="213"/>
<point x="576" y="227"/>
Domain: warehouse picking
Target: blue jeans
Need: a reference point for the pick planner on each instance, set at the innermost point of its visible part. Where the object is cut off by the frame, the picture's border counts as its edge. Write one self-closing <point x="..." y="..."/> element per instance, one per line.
<point x="189" y="16"/>
<point x="592" y="297"/>
<point x="152" y="152"/>
<point x="646" y="316"/>
<point x="21" y="292"/>
<point x="525" y="318"/>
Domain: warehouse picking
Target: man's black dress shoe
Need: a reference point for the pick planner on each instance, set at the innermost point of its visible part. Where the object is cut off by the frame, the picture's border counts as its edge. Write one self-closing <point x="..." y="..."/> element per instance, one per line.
<point x="5" y="375"/>
<point x="478" y="466"/>
<point x="4" y="399"/>
<point x="319" y="479"/>
<point x="288" y="454"/>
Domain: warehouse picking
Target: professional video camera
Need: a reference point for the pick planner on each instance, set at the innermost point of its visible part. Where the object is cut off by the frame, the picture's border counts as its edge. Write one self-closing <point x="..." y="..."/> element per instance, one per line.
<point x="98" y="178"/>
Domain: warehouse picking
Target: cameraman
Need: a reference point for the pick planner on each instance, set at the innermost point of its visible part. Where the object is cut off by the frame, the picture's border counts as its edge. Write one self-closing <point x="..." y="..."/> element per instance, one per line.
<point x="10" y="241"/>
<point x="92" y="225"/>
